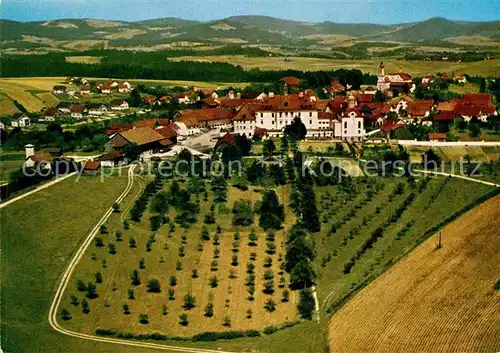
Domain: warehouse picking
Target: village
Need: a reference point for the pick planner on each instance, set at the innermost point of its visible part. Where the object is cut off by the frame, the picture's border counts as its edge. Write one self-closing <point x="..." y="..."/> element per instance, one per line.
<point x="371" y="113"/>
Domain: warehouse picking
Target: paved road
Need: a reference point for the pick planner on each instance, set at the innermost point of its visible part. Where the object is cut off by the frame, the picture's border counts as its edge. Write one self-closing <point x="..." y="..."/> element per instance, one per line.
<point x="53" y="312"/>
<point x="203" y="141"/>
<point x="37" y="189"/>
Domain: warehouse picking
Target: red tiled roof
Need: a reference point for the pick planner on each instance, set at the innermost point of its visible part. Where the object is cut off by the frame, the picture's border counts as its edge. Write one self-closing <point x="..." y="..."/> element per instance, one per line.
<point x="227" y="139"/>
<point x="364" y="98"/>
<point x="259" y="132"/>
<point x="168" y="131"/>
<point x="478" y="98"/>
<point x="444" y="115"/>
<point x="420" y="108"/>
<point x="89" y="165"/>
<point x="392" y="125"/>
<point x="291" y="81"/>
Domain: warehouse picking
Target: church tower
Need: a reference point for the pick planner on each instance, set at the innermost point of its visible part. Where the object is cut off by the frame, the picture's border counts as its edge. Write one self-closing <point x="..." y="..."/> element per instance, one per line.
<point x="381" y="69"/>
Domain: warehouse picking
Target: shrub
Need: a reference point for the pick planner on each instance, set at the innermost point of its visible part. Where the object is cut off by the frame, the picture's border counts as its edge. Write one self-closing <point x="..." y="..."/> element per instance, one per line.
<point x="252" y="238"/>
<point x="270" y="305"/>
<point x="232" y="274"/>
<point x="204" y="235"/>
<point x="226" y="321"/>
<point x="181" y="251"/>
<point x="80" y="286"/>
<point x="214" y="281"/>
<point x="74" y="300"/>
<point x="131" y="243"/>
<point x="213" y="265"/>
<point x="164" y="310"/>
<point x="250" y="267"/>
<point x="173" y="281"/>
<point x="98" y="242"/>
<point x="131" y="294"/>
<point x="116" y="207"/>
<point x="126" y="225"/>
<point x="270" y="330"/>
<point x="171" y="294"/>
<point x="189" y="302"/>
<point x="118" y="236"/>
<point x="154" y="286"/>
<point x="194" y="273"/>
<point x="286" y="296"/>
<point x="249" y="313"/>
<point x="209" y="309"/>
<point x="85" y="306"/>
<point x="91" y="291"/>
<point x="126" y="309"/>
<point x="65" y="315"/>
<point x="178" y="266"/>
<point x="216" y="252"/>
<point x="98" y="277"/>
<point x="183" y="320"/>
<point x="234" y="260"/>
<point x="142" y="263"/>
<point x="143" y="319"/>
<point x="103" y="229"/>
<point x="112" y="248"/>
<point x="135" y="278"/>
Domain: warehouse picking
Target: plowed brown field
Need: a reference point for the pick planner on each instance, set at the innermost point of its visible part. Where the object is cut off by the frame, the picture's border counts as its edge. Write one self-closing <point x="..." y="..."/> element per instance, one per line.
<point x="434" y="300"/>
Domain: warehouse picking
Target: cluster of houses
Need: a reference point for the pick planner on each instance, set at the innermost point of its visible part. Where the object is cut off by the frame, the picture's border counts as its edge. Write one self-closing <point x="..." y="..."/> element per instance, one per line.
<point x="80" y="86"/>
<point x="80" y="111"/>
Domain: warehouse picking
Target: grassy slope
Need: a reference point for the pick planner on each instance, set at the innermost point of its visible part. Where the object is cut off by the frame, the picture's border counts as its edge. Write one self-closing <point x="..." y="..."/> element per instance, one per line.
<point x="39" y="234"/>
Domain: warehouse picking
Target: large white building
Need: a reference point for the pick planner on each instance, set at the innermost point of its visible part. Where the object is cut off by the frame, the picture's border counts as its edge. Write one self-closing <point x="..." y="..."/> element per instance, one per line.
<point x="393" y="82"/>
<point x="274" y="114"/>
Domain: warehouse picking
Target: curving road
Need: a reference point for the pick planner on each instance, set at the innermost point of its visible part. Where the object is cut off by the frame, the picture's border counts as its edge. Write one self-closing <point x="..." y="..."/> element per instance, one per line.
<point x="67" y="275"/>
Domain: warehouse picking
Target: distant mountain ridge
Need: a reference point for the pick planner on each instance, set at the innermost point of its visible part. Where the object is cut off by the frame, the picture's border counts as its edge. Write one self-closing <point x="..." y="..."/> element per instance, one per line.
<point x="233" y="30"/>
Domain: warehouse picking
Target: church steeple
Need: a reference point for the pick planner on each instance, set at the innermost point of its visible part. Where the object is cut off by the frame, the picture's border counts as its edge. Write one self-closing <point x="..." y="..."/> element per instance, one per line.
<point x="381" y="69"/>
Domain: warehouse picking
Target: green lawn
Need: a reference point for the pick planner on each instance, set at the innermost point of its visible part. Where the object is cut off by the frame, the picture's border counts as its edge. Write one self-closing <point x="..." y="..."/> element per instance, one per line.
<point x="9" y="162"/>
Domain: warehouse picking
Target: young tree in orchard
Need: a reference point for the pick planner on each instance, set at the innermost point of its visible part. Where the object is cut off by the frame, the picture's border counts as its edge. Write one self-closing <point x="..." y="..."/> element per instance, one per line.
<point x="189" y="302"/>
<point x="154" y="286"/>
<point x="159" y="203"/>
<point x="272" y="213"/>
<point x="242" y="213"/>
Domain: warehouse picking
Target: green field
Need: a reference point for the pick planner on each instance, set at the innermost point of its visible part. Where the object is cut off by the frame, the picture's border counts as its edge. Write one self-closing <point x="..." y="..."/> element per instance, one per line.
<point x="9" y="162"/>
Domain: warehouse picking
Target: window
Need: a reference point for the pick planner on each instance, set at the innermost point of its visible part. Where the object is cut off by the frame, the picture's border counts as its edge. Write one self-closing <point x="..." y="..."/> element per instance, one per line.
<point x="345" y="124"/>
<point x="310" y="122"/>
<point x="281" y="114"/>
<point x="345" y="132"/>
<point x="359" y="124"/>
<point x="359" y="132"/>
<point x="272" y="115"/>
<point x="261" y="115"/>
<point x="262" y="122"/>
<point x="310" y="114"/>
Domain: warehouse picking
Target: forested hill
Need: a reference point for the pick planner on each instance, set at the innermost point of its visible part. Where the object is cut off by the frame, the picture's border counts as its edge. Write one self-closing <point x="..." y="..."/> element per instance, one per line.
<point x="246" y="30"/>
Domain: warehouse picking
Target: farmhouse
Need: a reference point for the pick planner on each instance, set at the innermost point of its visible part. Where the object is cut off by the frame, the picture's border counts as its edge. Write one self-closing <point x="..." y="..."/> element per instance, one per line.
<point x="50" y="114"/>
<point x="187" y="125"/>
<point x="119" y="104"/>
<point x="85" y="90"/>
<point x="124" y="88"/>
<point x="91" y="167"/>
<point x="20" y="120"/>
<point x="182" y="98"/>
<point x="64" y="107"/>
<point x="40" y="160"/>
<point x="77" y="111"/>
<point x="114" y="128"/>
<point x="97" y="109"/>
<point x="59" y="89"/>
<point x="149" y="141"/>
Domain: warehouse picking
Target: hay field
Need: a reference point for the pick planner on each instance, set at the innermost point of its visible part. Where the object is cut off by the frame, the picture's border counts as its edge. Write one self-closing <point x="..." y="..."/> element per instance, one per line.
<point x="48" y="99"/>
<point x="434" y="300"/>
<point x="84" y="59"/>
<point x="6" y="106"/>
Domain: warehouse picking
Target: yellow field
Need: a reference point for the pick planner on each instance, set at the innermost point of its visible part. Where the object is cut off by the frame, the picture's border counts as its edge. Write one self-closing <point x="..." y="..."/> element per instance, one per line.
<point x="84" y="59"/>
<point x="435" y="300"/>
<point x="491" y="67"/>
<point x="18" y="92"/>
<point x="6" y="106"/>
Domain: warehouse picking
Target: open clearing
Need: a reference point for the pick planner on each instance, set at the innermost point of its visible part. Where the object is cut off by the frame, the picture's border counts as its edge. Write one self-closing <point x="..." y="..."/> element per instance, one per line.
<point x="489" y="68"/>
<point x="435" y="300"/>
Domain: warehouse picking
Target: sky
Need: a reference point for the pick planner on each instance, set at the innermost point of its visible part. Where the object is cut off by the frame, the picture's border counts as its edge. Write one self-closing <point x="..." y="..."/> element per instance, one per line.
<point x="342" y="11"/>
